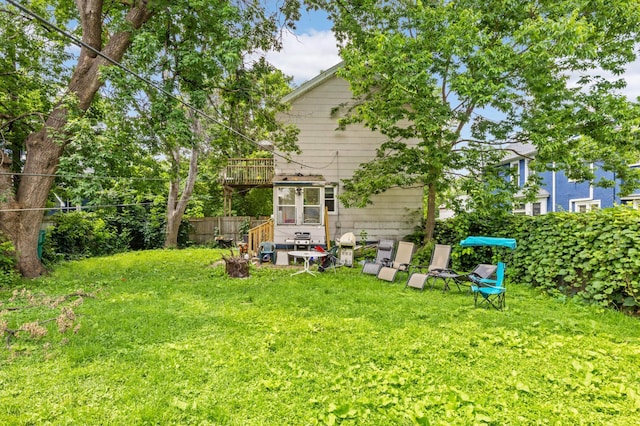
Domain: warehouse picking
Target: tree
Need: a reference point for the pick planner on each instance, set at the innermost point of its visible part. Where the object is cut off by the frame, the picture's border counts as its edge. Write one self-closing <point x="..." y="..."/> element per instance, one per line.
<point x="107" y="29"/>
<point x="464" y="78"/>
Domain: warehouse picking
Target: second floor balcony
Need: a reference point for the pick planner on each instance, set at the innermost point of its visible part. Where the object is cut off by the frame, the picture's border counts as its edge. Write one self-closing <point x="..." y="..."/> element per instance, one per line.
<point x="248" y="172"/>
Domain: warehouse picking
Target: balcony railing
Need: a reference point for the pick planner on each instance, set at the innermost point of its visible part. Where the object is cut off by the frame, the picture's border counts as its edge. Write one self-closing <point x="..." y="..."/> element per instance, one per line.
<point x="248" y="171"/>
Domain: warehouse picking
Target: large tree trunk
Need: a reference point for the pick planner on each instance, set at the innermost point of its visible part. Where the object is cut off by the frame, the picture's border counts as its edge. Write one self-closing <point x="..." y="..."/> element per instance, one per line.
<point x="22" y="212"/>
<point x="176" y="209"/>
<point x="430" y="224"/>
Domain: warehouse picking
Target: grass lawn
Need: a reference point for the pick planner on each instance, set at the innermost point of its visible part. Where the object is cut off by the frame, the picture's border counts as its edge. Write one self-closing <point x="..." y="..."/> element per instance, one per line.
<point x="169" y="339"/>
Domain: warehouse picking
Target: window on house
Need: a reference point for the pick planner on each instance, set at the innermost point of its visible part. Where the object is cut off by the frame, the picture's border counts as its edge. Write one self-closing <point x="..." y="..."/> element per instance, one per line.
<point x="633" y="202"/>
<point x="515" y="172"/>
<point x="520" y="208"/>
<point x="536" y="209"/>
<point x="286" y="205"/>
<point x="330" y="198"/>
<point x="586" y="206"/>
<point x="299" y="205"/>
<point x="311" y="205"/>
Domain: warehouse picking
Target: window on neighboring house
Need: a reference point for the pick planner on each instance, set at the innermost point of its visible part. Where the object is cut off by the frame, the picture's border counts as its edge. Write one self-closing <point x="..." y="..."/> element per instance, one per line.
<point x="633" y="202"/>
<point x="515" y="170"/>
<point x="536" y="209"/>
<point x="586" y="206"/>
<point x="520" y="208"/>
<point x="330" y="198"/>
<point x="576" y="181"/>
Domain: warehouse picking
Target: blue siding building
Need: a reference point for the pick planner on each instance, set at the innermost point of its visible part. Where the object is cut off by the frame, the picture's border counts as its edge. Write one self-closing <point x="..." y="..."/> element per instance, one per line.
<point x="558" y="192"/>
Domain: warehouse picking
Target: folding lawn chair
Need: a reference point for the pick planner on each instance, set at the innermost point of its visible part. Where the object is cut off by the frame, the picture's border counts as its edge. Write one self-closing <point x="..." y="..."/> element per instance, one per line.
<point x="401" y="262"/>
<point x="438" y="265"/>
<point x="383" y="257"/>
<point x="328" y="261"/>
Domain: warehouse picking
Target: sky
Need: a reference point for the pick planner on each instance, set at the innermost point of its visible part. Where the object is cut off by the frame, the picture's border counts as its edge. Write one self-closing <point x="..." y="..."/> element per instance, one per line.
<point x="312" y="49"/>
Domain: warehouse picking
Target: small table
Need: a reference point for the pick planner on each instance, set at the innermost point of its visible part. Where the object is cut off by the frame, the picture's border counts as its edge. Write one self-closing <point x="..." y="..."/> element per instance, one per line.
<point x="306" y="255"/>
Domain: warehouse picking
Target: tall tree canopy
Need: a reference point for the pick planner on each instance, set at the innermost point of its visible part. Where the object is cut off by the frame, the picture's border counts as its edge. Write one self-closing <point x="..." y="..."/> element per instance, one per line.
<point x="209" y="33"/>
<point x="464" y="78"/>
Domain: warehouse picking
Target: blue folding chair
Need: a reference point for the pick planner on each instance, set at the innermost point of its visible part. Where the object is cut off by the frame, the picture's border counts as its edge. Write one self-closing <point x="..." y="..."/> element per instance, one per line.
<point x="267" y="252"/>
<point x="492" y="291"/>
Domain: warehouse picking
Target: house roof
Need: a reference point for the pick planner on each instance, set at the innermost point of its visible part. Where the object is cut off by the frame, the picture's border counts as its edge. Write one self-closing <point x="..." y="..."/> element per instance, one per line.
<point x="518" y="150"/>
<point x="542" y="193"/>
<point x="313" y="83"/>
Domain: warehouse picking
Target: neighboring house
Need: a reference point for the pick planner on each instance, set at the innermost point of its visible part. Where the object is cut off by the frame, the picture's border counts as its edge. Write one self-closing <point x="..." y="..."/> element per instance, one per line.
<point x="558" y="192"/>
<point x="311" y="181"/>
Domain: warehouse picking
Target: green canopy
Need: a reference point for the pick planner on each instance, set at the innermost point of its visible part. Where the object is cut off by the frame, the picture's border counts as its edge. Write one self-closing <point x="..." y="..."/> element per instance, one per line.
<point x="489" y="241"/>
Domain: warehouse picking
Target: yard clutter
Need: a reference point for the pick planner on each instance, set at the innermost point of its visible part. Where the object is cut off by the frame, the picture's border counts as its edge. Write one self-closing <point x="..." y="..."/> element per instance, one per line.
<point x="347" y="244"/>
<point x="486" y="282"/>
<point x="384" y="253"/>
<point x="236" y="266"/>
<point x="401" y="262"/>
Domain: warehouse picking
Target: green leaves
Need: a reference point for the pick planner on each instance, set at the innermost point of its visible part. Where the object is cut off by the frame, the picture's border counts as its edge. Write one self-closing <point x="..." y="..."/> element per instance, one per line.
<point x="592" y="256"/>
<point x="457" y="79"/>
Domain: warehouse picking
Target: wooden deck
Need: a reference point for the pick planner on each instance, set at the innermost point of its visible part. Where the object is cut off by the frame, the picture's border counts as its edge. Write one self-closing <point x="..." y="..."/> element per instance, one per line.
<point x="248" y="172"/>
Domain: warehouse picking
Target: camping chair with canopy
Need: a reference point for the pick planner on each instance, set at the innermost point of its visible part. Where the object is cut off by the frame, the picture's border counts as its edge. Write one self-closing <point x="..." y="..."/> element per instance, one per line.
<point x="401" y="262"/>
<point x="383" y="257"/>
<point x="492" y="291"/>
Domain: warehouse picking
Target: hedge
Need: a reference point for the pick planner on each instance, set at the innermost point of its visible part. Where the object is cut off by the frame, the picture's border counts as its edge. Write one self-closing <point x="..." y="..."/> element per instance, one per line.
<point x="593" y="255"/>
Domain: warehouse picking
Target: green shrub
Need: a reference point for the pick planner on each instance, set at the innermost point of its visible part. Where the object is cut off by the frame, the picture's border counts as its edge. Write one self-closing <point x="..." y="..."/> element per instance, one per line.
<point x="8" y="273"/>
<point x="594" y="255"/>
<point x="145" y="226"/>
<point x="78" y="235"/>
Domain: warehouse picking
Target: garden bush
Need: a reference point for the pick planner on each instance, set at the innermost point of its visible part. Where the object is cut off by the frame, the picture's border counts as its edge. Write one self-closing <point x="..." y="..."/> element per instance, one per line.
<point x="78" y="235"/>
<point x="8" y="273"/>
<point x="593" y="255"/>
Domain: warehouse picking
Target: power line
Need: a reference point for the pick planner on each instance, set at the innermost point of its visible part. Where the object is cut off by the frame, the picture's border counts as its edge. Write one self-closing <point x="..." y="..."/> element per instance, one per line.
<point x="74" y="207"/>
<point x="84" y="176"/>
<point x="80" y="43"/>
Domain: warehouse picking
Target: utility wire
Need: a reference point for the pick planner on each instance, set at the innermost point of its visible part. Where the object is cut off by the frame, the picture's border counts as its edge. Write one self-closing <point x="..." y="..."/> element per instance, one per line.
<point x="74" y="207"/>
<point x="80" y="43"/>
<point x="83" y="176"/>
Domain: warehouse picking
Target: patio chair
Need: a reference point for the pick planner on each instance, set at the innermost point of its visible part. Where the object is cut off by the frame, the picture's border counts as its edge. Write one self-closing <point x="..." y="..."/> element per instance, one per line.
<point x="328" y="261"/>
<point x="383" y="257"/>
<point x="492" y="291"/>
<point x="401" y="262"/>
<point x="267" y="252"/>
<point x="438" y="265"/>
<point x="480" y="272"/>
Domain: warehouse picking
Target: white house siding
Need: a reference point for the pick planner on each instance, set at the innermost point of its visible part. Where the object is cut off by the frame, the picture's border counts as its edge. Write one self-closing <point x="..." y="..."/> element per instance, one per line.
<point x="336" y="154"/>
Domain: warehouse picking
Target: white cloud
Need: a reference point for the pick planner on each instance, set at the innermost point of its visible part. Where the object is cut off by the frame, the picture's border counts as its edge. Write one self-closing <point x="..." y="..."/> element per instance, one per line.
<point x="632" y="76"/>
<point x="304" y="56"/>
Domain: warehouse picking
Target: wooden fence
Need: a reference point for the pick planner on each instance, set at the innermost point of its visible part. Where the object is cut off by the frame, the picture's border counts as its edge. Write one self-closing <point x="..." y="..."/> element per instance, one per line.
<point x="206" y="229"/>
